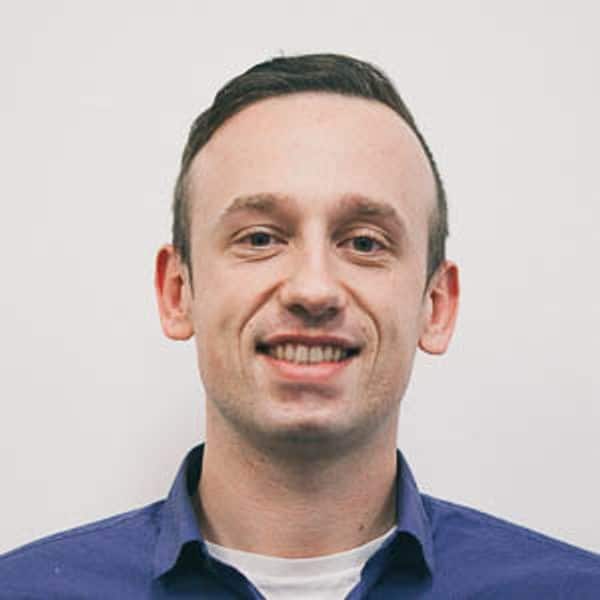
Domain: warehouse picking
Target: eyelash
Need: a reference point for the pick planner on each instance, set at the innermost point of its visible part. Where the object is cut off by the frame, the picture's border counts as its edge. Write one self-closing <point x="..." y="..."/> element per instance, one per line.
<point x="247" y="237"/>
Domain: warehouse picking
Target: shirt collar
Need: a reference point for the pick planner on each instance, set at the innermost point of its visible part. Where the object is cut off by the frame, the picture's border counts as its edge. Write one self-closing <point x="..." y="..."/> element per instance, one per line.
<point x="413" y="521"/>
<point x="179" y="525"/>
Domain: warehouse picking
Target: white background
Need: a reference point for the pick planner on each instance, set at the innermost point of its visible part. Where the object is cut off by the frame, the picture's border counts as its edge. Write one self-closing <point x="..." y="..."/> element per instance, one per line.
<point x="97" y="408"/>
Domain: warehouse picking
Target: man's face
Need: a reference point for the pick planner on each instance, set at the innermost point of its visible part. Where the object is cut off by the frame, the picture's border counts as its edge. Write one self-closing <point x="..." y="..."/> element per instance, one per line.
<point x="309" y="236"/>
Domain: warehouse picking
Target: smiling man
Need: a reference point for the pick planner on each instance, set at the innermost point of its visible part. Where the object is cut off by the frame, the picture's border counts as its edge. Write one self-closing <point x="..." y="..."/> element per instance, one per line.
<point x="308" y="264"/>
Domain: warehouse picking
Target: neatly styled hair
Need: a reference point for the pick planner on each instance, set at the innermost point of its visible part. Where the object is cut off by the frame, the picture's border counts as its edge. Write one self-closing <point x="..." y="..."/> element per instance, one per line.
<point x="333" y="73"/>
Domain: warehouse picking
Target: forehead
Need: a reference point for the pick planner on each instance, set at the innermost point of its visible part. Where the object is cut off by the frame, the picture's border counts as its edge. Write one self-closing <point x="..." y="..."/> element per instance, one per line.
<point x="315" y="148"/>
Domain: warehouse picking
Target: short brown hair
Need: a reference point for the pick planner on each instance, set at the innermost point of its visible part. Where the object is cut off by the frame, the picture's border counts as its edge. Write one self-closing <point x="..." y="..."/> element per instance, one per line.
<point x="279" y="76"/>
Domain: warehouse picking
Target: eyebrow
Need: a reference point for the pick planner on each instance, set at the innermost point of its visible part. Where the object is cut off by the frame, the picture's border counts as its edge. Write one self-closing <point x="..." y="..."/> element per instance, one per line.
<point x="356" y="205"/>
<point x="350" y="206"/>
<point x="266" y="203"/>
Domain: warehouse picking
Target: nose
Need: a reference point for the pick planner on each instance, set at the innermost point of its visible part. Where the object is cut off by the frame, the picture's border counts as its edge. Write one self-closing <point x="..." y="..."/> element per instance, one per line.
<point x="311" y="292"/>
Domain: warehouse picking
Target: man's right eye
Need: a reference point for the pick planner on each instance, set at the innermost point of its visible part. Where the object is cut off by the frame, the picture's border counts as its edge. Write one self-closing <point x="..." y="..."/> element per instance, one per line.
<point x="258" y="239"/>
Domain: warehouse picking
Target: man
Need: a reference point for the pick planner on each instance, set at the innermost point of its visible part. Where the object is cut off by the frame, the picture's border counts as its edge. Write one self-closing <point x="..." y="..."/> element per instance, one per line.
<point x="308" y="263"/>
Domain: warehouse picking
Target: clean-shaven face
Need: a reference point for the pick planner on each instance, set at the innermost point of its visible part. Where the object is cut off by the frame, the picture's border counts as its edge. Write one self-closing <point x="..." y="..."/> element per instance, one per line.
<point x="309" y="237"/>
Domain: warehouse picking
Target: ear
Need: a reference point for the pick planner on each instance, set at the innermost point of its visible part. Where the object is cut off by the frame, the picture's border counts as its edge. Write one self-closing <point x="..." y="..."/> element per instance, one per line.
<point x="173" y="293"/>
<point x="441" y="308"/>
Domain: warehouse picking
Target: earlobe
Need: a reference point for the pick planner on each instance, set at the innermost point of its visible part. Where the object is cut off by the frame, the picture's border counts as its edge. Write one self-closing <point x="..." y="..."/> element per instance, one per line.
<point x="441" y="309"/>
<point x="173" y="294"/>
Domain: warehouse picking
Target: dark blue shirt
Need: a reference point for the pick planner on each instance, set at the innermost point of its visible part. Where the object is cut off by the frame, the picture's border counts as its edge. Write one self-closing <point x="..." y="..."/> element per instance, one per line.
<point x="439" y="550"/>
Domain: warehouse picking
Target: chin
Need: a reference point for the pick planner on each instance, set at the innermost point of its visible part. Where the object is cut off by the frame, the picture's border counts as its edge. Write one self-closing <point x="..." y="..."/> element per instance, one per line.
<point x="309" y="437"/>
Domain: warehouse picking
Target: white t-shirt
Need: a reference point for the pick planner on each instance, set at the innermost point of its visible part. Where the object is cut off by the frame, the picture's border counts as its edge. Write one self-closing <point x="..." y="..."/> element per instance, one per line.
<point x="323" y="578"/>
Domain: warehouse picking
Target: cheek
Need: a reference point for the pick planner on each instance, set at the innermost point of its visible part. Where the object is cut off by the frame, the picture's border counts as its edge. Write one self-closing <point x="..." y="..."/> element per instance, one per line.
<point x="224" y="301"/>
<point x="396" y="352"/>
<point x="216" y="341"/>
<point x="400" y="326"/>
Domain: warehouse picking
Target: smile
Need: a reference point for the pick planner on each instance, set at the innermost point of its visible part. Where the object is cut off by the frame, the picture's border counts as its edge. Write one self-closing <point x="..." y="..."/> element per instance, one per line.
<point x="304" y="354"/>
<point x="307" y="360"/>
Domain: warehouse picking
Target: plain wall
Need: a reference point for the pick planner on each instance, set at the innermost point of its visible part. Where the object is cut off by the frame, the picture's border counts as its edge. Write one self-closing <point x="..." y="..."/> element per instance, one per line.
<point x="98" y="408"/>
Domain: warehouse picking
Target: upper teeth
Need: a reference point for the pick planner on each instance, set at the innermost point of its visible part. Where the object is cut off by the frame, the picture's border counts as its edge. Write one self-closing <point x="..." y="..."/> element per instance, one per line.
<point x="301" y="353"/>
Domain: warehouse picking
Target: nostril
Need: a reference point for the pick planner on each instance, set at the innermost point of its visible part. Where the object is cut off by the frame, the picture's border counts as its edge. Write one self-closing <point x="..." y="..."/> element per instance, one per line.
<point x="314" y="314"/>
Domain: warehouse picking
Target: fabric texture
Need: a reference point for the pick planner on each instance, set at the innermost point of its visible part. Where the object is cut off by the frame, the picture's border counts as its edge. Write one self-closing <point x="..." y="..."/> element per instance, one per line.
<point x="438" y="550"/>
<point x="323" y="578"/>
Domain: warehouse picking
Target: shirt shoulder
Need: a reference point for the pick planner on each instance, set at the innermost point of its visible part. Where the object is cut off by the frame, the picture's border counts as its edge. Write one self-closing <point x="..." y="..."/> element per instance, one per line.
<point x="496" y="554"/>
<point x="68" y="564"/>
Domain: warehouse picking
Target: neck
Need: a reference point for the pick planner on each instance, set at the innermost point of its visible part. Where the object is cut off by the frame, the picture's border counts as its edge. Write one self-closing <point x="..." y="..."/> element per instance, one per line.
<point x="251" y="500"/>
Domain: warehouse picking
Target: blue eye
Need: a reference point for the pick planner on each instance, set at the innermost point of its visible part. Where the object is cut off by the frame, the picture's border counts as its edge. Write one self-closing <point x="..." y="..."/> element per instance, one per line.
<point x="363" y="243"/>
<point x="260" y="238"/>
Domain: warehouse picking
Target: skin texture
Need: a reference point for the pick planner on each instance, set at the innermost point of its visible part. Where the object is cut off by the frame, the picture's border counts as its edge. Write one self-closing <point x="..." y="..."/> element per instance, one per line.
<point x="282" y="243"/>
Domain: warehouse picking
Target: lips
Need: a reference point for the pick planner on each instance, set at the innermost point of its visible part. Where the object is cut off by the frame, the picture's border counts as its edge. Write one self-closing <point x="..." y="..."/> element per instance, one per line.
<point x="312" y="359"/>
<point x="302" y="354"/>
<point x="347" y="346"/>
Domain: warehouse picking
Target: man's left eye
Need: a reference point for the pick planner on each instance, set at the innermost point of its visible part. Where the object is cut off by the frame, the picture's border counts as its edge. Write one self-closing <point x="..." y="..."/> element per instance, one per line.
<point x="365" y="244"/>
<point x="260" y="238"/>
